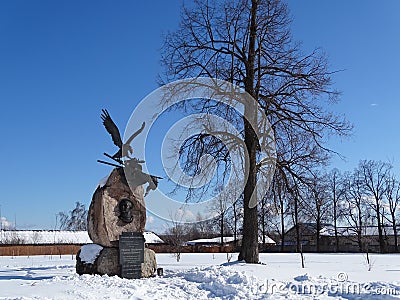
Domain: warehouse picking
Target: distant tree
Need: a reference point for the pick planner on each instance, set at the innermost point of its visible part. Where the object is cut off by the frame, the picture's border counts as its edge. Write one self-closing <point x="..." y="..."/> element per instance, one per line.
<point x="280" y="210"/>
<point x="75" y="220"/>
<point x="266" y="212"/>
<point x="358" y="214"/>
<point x="392" y="194"/>
<point x="177" y="233"/>
<point x="374" y="175"/>
<point x="201" y="228"/>
<point x="336" y="192"/>
<point x="318" y="207"/>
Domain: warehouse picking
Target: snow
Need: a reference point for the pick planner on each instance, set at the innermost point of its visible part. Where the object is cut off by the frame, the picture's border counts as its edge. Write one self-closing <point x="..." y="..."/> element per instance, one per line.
<point x="57" y="237"/>
<point x="151" y="238"/>
<point x="44" y="237"/>
<point x="206" y="275"/>
<point x="268" y="240"/>
<point x="90" y="252"/>
<point x="216" y="240"/>
<point x="227" y="239"/>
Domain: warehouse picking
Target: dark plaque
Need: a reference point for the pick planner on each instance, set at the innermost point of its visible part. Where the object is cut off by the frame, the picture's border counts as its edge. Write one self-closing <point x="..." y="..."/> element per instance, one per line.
<point x="131" y="254"/>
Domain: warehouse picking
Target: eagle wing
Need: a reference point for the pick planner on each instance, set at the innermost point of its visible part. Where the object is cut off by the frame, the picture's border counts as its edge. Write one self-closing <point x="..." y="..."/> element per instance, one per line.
<point x="111" y="128"/>
<point x="135" y="134"/>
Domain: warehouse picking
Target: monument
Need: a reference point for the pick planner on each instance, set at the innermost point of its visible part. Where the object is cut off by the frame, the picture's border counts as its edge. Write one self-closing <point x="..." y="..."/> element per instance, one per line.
<point x="117" y="216"/>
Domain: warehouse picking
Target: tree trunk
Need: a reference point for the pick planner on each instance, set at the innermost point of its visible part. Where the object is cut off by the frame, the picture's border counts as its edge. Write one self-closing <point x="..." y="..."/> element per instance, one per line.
<point x="222" y="229"/>
<point x="296" y="221"/>
<point x="380" y="233"/>
<point x="249" y="250"/>
<point x="394" y="226"/>
<point x="359" y="230"/>
<point x="282" y="225"/>
<point x="317" y="234"/>
<point x="335" y="216"/>
<point x="235" y="225"/>
<point x="263" y="225"/>
<point x="396" y="246"/>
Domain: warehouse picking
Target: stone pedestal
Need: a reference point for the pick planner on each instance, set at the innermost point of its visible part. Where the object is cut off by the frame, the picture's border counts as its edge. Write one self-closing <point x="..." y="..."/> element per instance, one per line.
<point x="104" y="222"/>
<point x="107" y="262"/>
<point x="115" y="208"/>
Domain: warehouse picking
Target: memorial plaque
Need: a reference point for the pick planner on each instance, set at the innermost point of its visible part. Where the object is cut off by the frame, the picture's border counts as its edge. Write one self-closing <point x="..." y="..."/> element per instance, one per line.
<point x="131" y="254"/>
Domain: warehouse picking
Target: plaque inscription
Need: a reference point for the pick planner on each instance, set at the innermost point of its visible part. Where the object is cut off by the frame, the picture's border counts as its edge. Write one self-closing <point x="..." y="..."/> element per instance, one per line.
<point x="131" y="254"/>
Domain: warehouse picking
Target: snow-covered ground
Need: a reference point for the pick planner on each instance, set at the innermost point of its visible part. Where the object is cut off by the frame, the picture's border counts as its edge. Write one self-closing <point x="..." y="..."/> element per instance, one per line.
<point x="207" y="275"/>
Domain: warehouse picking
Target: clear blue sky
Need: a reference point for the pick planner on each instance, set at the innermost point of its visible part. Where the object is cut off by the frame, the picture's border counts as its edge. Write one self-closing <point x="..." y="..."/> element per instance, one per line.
<point x="62" y="61"/>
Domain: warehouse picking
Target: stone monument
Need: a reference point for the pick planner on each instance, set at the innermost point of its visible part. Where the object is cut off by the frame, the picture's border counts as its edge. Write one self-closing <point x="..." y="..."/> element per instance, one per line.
<point x="117" y="218"/>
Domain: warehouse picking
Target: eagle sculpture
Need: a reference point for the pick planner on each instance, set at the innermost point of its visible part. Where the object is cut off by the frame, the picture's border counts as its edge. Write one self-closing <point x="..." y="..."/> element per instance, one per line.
<point x="131" y="165"/>
<point x="125" y="149"/>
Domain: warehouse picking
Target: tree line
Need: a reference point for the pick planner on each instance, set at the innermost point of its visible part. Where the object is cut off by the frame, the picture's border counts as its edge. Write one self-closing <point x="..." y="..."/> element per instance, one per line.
<point x="369" y="196"/>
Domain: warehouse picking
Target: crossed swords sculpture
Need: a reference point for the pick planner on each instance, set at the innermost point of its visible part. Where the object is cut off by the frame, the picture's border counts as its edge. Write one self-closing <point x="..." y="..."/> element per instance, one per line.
<point x="133" y="166"/>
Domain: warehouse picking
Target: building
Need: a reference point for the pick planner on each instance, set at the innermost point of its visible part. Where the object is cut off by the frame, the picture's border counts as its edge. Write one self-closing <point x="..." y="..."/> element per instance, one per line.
<point x="349" y="239"/>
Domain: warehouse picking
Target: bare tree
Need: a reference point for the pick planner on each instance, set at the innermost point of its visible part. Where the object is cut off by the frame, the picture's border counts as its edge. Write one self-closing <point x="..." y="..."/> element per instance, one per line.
<point x="374" y="175"/>
<point x="319" y="207"/>
<point x="220" y="209"/>
<point x="358" y="211"/>
<point x="75" y="219"/>
<point x="176" y="233"/>
<point x="392" y="194"/>
<point x="282" y="208"/>
<point x="336" y="190"/>
<point x="249" y="44"/>
<point x="265" y="213"/>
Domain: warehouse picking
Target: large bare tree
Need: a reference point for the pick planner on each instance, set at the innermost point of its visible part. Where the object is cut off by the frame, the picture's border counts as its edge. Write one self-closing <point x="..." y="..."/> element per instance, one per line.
<point x="248" y="43"/>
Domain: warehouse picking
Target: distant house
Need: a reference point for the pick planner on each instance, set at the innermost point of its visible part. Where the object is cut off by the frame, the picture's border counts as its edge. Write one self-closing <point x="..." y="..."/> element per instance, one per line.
<point x="267" y="240"/>
<point x="228" y="240"/>
<point x="307" y="233"/>
<point x="347" y="237"/>
<point x="211" y="241"/>
<point x="151" y="238"/>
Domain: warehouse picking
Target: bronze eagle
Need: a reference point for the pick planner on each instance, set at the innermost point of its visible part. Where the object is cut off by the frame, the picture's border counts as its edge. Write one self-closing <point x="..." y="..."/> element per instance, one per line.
<point x="125" y="149"/>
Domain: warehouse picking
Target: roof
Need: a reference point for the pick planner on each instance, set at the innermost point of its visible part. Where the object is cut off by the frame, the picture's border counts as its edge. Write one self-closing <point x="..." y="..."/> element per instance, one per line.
<point x="227" y="239"/>
<point x="268" y="240"/>
<point x="216" y="240"/>
<point x="58" y="237"/>
<point x="329" y="230"/>
<point x="151" y="238"/>
<point x="349" y="231"/>
<point x="44" y="237"/>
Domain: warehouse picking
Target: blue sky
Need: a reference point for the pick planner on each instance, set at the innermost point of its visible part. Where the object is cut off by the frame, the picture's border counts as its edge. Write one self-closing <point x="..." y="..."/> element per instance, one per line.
<point x="61" y="62"/>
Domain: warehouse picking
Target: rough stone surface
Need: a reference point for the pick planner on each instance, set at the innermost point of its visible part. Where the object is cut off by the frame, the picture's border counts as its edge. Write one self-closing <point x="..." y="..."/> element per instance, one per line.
<point x="149" y="266"/>
<point x="82" y="267"/>
<point x="104" y="225"/>
<point x="105" y="263"/>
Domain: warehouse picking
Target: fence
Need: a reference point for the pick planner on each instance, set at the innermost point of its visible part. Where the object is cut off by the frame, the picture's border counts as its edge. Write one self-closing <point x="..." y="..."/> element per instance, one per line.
<point x="50" y="249"/>
<point x="162" y="248"/>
